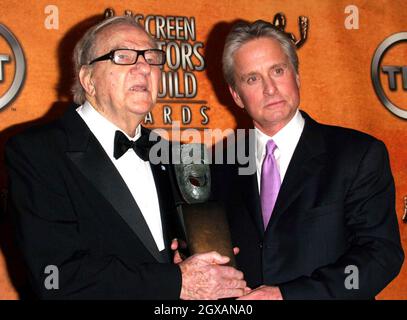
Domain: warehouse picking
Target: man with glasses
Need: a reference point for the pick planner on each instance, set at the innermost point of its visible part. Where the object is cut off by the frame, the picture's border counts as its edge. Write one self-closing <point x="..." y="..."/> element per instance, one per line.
<point x="93" y="214"/>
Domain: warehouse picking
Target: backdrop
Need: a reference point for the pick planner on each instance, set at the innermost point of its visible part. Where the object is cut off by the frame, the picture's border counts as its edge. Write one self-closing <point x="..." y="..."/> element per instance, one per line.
<point x="346" y="39"/>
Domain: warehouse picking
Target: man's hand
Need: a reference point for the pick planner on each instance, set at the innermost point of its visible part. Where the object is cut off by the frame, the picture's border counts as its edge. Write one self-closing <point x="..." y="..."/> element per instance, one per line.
<point x="181" y="244"/>
<point x="174" y="247"/>
<point x="263" y="293"/>
<point x="203" y="277"/>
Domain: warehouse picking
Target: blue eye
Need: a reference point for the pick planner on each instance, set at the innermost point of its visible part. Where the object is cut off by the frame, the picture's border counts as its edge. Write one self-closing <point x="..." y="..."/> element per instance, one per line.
<point x="122" y="56"/>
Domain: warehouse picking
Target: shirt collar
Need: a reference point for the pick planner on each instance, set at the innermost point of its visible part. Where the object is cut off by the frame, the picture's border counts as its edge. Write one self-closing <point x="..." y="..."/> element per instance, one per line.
<point x="103" y="129"/>
<point x="285" y="139"/>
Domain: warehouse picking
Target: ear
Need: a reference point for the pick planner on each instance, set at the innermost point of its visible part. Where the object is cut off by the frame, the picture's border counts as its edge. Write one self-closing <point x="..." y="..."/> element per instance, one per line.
<point x="236" y="97"/>
<point x="297" y="79"/>
<point x="85" y="77"/>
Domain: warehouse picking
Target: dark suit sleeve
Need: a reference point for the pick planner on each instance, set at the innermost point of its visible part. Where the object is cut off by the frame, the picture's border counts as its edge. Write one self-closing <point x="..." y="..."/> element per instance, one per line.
<point x="48" y="230"/>
<point x="374" y="249"/>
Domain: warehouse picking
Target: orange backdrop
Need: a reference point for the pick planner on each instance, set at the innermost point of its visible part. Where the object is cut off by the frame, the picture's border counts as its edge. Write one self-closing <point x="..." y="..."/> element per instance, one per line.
<point x="336" y="86"/>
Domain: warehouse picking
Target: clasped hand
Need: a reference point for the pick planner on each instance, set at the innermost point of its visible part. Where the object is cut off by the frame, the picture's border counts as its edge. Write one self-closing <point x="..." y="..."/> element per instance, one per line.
<point x="205" y="276"/>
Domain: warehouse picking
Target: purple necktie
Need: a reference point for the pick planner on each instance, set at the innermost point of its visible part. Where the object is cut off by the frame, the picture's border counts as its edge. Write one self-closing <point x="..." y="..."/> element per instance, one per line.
<point x="270" y="182"/>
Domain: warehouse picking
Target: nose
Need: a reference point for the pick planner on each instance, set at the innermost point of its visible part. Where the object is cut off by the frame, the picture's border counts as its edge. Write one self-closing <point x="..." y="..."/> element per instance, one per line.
<point x="141" y="66"/>
<point x="269" y="86"/>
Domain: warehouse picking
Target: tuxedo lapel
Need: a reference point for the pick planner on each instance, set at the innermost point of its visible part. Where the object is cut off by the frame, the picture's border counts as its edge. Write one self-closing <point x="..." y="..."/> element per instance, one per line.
<point x="307" y="161"/>
<point x="89" y="157"/>
<point x="161" y="179"/>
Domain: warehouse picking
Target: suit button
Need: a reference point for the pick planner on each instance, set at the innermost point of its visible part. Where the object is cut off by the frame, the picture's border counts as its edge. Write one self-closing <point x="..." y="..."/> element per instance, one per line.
<point x="260" y="245"/>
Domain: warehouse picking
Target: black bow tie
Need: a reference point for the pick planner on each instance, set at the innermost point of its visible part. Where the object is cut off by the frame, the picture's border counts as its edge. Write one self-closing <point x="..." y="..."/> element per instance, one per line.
<point x="141" y="146"/>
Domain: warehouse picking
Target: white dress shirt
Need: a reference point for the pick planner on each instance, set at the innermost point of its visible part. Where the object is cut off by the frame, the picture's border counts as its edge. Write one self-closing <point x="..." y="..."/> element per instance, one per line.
<point x="286" y="140"/>
<point x="135" y="172"/>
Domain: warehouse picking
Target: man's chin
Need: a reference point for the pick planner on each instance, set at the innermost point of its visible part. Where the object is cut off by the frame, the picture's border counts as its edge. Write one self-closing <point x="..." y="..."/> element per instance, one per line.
<point x="141" y="107"/>
<point x="276" y="118"/>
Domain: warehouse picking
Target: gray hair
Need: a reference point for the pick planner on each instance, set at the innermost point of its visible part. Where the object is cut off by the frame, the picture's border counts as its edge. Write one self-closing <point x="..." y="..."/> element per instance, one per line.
<point x="242" y="33"/>
<point x="85" y="49"/>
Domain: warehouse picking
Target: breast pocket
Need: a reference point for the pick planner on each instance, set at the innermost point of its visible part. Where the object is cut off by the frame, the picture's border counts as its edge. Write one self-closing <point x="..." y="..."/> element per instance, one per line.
<point x="321" y="212"/>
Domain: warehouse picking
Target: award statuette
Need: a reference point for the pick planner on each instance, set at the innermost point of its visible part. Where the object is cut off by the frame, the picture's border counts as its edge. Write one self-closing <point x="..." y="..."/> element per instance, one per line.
<point x="205" y="223"/>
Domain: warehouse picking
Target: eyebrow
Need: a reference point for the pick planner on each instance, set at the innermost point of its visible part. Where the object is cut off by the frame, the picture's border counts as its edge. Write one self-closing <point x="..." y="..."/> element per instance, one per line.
<point x="282" y="64"/>
<point x="127" y="46"/>
<point x="117" y="47"/>
<point x="251" y="73"/>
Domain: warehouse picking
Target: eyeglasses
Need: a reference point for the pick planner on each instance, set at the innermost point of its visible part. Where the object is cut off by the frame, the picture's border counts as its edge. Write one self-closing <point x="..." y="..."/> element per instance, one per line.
<point x="154" y="57"/>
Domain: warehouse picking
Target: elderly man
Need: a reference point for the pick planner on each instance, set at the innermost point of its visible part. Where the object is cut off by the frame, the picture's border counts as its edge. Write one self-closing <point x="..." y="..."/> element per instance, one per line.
<point x="92" y="213"/>
<point x="317" y="219"/>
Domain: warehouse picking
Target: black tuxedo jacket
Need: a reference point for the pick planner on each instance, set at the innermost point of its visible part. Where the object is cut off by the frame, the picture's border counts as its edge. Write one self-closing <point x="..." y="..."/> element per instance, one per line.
<point x="335" y="209"/>
<point x="74" y="211"/>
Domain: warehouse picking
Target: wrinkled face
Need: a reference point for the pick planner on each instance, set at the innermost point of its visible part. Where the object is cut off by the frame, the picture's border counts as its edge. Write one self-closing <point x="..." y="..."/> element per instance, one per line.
<point x="266" y="84"/>
<point x="121" y="91"/>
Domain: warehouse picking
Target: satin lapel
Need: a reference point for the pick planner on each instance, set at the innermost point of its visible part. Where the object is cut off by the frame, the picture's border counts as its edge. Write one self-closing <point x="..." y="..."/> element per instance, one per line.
<point x="163" y="187"/>
<point x="307" y="161"/>
<point x="90" y="158"/>
<point x="161" y="174"/>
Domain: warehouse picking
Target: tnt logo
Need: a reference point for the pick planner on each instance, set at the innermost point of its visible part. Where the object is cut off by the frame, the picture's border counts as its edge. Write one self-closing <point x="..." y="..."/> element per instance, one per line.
<point x="3" y="58"/>
<point x="389" y="73"/>
<point x="12" y="66"/>
<point x="392" y="72"/>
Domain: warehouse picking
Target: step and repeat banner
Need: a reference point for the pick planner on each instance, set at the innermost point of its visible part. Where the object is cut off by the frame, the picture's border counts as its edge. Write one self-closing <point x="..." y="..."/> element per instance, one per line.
<point x="353" y="69"/>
